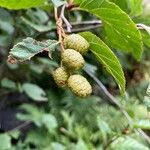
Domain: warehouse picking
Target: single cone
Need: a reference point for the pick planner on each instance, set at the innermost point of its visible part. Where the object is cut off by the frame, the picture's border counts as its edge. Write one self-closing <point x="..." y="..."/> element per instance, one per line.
<point x="61" y="76"/>
<point x="79" y="85"/>
<point x="72" y="59"/>
<point x="76" y="42"/>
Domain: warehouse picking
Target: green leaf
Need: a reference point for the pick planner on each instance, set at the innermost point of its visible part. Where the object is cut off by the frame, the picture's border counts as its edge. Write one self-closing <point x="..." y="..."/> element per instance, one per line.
<point x="5" y="142"/>
<point x="148" y="90"/>
<point x="14" y="134"/>
<point x="147" y="101"/>
<point x="78" y="1"/>
<point x="143" y="124"/>
<point x="81" y="145"/>
<point x="122" y="4"/>
<point x="39" y="28"/>
<point x="136" y="7"/>
<point x="34" y="92"/>
<point x="146" y="38"/>
<point x="49" y="121"/>
<point x="33" y="114"/>
<point x="58" y="3"/>
<point x="127" y="144"/>
<point x="6" y="27"/>
<point x="104" y="128"/>
<point x="105" y="56"/>
<point x="7" y="83"/>
<point x="38" y="137"/>
<point x="57" y="146"/>
<point x="20" y="4"/>
<point x="121" y="31"/>
<point x="28" y="48"/>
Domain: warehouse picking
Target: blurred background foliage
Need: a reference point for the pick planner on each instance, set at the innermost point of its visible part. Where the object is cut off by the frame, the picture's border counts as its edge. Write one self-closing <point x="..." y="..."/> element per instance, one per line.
<point x="36" y="115"/>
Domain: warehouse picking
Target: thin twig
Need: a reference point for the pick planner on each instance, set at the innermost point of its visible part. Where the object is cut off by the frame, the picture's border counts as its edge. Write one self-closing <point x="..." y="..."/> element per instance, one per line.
<point x="92" y="22"/>
<point x="83" y="29"/>
<point x="62" y="16"/>
<point x="112" y="99"/>
<point x="20" y="126"/>
<point x="60" y="30"/>
<point x="143" y="27"/>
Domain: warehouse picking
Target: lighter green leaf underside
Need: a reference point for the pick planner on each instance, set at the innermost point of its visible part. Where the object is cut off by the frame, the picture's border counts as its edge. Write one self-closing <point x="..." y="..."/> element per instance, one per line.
<point x="121" y="31"/>
<point x="105" y="56"/>
<point x="34" y="92"/>
<point x="28" y="48"/>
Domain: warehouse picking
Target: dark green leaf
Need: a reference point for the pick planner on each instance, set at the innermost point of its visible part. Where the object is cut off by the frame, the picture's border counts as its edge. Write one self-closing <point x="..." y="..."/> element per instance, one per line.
<point x="121" y="31"/>
<point x="28" y="48"/>
<point x="104" y="55"/>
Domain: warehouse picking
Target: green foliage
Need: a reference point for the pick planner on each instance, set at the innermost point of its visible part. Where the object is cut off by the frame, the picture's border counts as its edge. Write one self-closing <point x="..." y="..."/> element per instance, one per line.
<point x="6" y="27"/>
<point x="107" y="58"/>
<point x="7" y="83"/>
<point x="148" y="90"/>
<point x="127" y="143"/>
<point x="120" y="29"/>
<point x="29" y="47"/>
<point x="38" y="27"/>
<point x="22" y="4"/>
<point x="5" y="142"/>
<point x="34" y="92"/>
<point x="135" y="7"/>
<point x="143" y="124"/>
<point x="54" y="118"/>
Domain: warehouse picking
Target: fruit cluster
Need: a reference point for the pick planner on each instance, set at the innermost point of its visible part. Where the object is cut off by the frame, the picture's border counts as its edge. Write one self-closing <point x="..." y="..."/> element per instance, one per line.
<point x="72" y="60"/>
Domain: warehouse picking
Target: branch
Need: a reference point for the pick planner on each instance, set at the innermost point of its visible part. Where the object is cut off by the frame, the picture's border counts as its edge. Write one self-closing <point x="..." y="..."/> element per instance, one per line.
<point x="77" y="30"/>
<point x="62" y="16"/>
<point x="144" y="27"/>
<point x="111" y="98"/>
<point x="92" y="22"/>
<point x="26" y="123"/>
<point x="60" y="30"/>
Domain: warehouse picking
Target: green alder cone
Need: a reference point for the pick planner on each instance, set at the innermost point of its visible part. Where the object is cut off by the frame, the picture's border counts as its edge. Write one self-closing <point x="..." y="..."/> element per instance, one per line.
<point x="72" y="60"/>
<point x="79" y="85"/>
<point x="76" y="42"/>
<point x="61" y="76"/>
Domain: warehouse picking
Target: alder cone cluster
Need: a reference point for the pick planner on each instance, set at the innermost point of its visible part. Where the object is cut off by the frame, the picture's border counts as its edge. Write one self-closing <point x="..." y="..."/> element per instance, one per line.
<point x="72" y="60"/>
